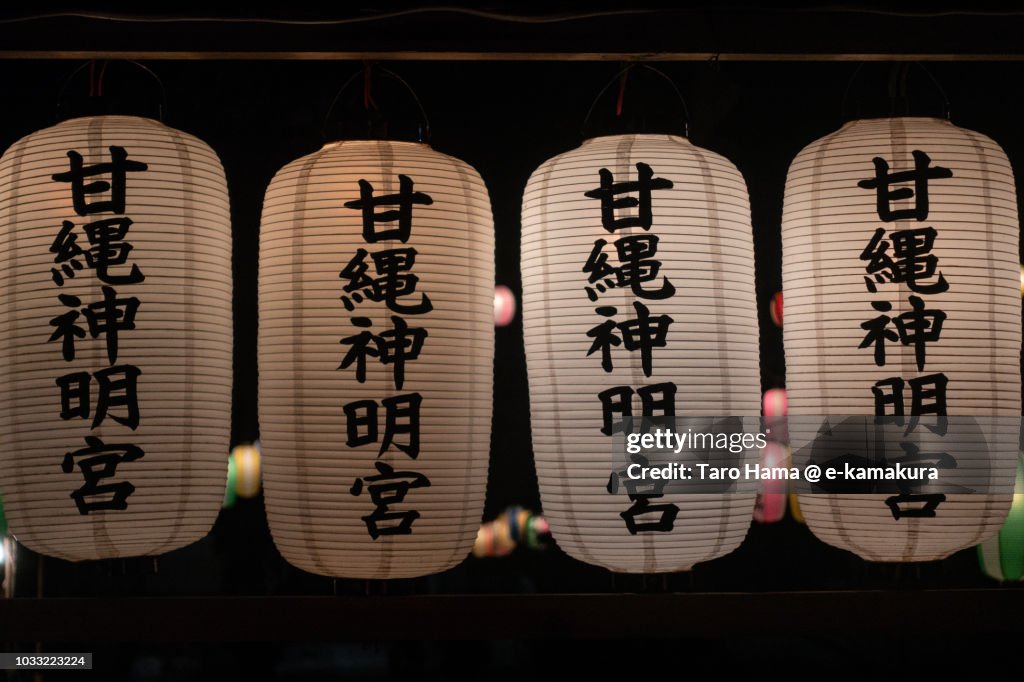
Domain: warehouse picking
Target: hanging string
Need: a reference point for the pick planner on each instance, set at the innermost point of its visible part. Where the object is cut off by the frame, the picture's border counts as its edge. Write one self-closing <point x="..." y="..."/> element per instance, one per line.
<point x="368" y="86"/>
<point x="622" y="92"/>
<point x="99" y="85"/>
<point x="92" y="78"/>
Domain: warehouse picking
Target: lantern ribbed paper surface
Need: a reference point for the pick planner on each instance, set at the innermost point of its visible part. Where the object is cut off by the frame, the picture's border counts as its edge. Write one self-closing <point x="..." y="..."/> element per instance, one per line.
<point x="376" y="358"/>
<point x="578" y="220"/>
<point x="901" y="274"/>
<point x="115" y="338"/>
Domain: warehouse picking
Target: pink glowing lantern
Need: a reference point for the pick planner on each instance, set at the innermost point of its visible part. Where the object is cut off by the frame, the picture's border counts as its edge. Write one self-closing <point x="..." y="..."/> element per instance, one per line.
<point x="504" y="306"/>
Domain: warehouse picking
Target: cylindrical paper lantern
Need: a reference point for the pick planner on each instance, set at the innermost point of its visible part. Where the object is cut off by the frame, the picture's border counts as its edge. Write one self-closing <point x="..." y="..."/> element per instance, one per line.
<point x="638" y="299"/>
<point x="900" y="269"/>
<point x="115" y="338"/>
<point x="376" y="358"/>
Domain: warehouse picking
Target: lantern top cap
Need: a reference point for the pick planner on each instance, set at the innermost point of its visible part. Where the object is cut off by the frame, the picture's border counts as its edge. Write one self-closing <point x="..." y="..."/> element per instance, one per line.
<point x="881" y="119"/>
<point x="396" y="143"/>
<point x="639" y="136"/>
<point x="110" y="117"/>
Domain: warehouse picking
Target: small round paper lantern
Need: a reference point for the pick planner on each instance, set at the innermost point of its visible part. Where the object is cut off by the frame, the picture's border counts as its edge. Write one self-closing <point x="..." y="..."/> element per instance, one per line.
<point x="376" y="347"/>
<point x="247" y="467"/>
<point x="774" y="403"/>
<point x="771" y="501"/>
<point x="595" y="222"/>
<point x="115" y="338"/>
<point x="1002" y="556"/>
<point x="230" y="493"/>
<point x="899" y="241"/>
<point x="504" y="306"/>
<point x="775" y="308"/>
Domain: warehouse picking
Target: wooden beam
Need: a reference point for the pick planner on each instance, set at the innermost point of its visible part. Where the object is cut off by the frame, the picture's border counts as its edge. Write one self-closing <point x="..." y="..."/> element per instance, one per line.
<point x="508" y="616"/>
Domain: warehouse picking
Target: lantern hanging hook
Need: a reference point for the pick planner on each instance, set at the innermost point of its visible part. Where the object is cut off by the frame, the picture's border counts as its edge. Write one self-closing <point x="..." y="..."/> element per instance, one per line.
<point x="96" y="83"/>
<point x="898" y="78"/>
<point x="368" y="101"/>
<point x="620" y="76"/>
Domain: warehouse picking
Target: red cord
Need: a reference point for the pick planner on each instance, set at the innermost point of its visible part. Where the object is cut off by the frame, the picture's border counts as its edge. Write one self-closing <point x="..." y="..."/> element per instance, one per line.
<point x="368" y="86"/>
<point x="103" y="70"/>
<point x="622" y="94"/>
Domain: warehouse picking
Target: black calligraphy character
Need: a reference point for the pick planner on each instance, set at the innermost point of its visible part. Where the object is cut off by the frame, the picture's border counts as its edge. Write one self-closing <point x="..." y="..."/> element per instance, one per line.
<point x="598" y="269"/>
<point x="399" y="344"/>
<point x="666" y="515"/>
<point x="402" y="416"/>
<point x="919" y="327"/>
<point x="360" y="414"/>
<point x="919" y="176"/>
<point x="355" y="273"/>
<point x="74" y="395"/>
<point x="604" y="337"/>
<point x="364" y="345"/>
<point x="930" y="502"/>
<point x="636" y="253"/>
<point x="928" y="395"/>
<point x="395" y="281"/>
<point x="66" y="329"/>
<point x="637" y="266"/>
<point x="387" y="488"/>
<point x="642" y="507"/>
<point x="118" y="387"/>
<point x="110" y="316"/>
<point x="912" y="454"/>
<point x="914" y="261"/>
<point x="109" y="250"/>
<point x="644" y="184"/>
<point x="118" y="168"/>
<point x="645" y="333"/>
<point x="99" y="463"/>
<point x="65" y="246"/>
<point x="75" y="389"/>
<point x="878" y="331"/>
<point x="404" y="200"/>
<point x="654" y="399"/>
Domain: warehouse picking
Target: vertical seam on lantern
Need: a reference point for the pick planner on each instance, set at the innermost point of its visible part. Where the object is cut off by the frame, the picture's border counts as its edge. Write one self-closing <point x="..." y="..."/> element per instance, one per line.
<point x="986" y="190"/>
<point x="386" y="153"/>
<point x="721" y="319"/>
<point x="623" y="170"/>
<point x="184" y="482"/>
<point x="298" y="300"/>
<point x="898" y="146"/>
<point x="564" y="482"/>
<point x="14" y="259"/>
<point x="834" y="501"/>
<point x="104" y="543"/>
<point x="468" y="435"/>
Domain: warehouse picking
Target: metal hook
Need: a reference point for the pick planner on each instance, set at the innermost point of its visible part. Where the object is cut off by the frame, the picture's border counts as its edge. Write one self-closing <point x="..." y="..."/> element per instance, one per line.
<point x="162" y="105"/>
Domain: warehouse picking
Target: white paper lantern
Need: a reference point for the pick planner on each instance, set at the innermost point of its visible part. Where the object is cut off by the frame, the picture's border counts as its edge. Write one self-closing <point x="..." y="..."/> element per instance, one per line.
<point x="341" y="499"/>
<point x="838" y="230"/>
<point x="699" y="213"/>
<point x="147" y="221"/>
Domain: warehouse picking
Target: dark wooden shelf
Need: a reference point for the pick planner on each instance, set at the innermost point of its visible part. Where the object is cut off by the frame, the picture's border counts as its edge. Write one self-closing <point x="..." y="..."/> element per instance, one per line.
<point x="508" y="616"/>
